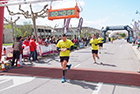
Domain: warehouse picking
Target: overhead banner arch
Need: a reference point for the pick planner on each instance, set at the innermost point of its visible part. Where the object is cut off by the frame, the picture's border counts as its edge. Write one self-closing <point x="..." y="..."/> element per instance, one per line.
<point x="127" y="28"/>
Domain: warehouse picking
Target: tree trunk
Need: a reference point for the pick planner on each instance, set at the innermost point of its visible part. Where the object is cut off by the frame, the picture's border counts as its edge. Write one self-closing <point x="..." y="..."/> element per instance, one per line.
<point x="35" y="29"/>
<point x="13" y="32"/>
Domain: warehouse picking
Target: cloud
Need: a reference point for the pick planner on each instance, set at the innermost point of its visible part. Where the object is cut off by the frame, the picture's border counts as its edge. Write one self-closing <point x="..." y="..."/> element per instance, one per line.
<point x="123" y="14"/>
<point x="96" y="24"/>
<point x="115" y="6"/>
<point x="113" y="13"/>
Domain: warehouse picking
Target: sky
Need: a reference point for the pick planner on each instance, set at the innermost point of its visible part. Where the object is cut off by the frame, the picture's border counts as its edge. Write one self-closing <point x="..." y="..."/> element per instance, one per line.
<point x="95" y="13"/>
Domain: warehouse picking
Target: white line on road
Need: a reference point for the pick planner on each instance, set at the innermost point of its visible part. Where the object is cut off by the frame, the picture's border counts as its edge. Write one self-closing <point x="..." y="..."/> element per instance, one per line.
<point x="97" y="89"/>
<point x="16" y="80"/>
<point x="77" y="65"/>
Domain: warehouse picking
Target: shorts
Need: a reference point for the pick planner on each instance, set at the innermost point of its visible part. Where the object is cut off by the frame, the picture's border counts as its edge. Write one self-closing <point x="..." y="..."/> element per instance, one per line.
<point x="95" y="52"/>
<point x="100" y="44"/>
<point x="64" y="58"/>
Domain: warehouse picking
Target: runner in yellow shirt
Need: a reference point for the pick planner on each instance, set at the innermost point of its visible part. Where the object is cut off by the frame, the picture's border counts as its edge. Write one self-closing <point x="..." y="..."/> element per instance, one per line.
<point x="64" y="46"/>
<point x="100" y="42"/>
<point x="111" y="40"/>
<point x="94" y="45"/>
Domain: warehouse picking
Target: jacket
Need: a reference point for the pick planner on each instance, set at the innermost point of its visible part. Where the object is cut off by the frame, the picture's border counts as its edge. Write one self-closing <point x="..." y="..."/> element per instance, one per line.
<point x="32" y="45"/>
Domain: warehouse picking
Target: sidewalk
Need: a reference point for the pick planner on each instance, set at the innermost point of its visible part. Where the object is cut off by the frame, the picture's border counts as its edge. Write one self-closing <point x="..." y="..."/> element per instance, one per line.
<point x="137" y="52"/>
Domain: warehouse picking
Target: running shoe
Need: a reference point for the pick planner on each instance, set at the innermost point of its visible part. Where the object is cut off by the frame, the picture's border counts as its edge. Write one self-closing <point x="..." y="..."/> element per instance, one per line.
<point x="63" y="79"/>
<point x="98" y="57"/>
<point x="36" y="61"/>
<point x="69" y="66"/>
<point x="94" y="62"/>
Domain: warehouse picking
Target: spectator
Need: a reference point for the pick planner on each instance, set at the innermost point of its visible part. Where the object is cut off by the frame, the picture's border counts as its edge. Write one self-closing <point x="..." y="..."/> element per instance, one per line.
<point x="26" y="41"/>
<point x="47" y="40"/>
<point x="33" y="47"/>
<point x="42" y="42"/>
<point x="17" y="46"/>
<point x="138" y="43"/>
<point x="133" y="41"/>
<point x="39" y="38"/>
<point x="53" y="40"/>
<point x="29" y="37"/>
<point x="58" y="40"/>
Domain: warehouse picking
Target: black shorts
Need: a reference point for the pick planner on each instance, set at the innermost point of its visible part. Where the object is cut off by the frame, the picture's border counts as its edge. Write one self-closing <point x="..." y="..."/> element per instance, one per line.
<point x="95" y="51"/>
<point x="64" y="58"/>
<point x="100" y="44"/>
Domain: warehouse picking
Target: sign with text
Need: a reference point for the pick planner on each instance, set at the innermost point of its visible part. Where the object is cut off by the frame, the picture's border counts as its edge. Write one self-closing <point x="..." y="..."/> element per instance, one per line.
<point x="63" y="13"/>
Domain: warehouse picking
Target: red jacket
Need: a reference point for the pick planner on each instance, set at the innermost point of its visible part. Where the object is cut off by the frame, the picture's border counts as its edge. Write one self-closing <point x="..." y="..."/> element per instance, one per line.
<point x="41" y="42"/>
<point x="32" y="45"/>
<point x="26" y="42"/>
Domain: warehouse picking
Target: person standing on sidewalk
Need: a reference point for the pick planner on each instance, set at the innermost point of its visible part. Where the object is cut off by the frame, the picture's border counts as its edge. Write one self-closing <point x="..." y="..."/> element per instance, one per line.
<point x="138" y="43"/>
<point x="33" y="47"/>
<point x="64" y="46"/>
<point x="100" y="41"/>
<point x="94" y="45"/>
<point x="17" y="46"/>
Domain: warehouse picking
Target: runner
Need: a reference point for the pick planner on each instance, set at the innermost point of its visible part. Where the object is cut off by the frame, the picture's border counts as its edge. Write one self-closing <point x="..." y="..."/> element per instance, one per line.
<point x="64" y="46"/>
<point x="111" y="40"/>
<point x="100" y="41"/>
<point x="94" y="45"/>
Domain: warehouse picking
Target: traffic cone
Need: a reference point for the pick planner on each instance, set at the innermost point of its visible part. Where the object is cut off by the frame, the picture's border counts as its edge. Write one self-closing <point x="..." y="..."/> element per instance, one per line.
<point x="3" y="67"/>
<point x="18" y="64"/>
<point x="4" y="50"/>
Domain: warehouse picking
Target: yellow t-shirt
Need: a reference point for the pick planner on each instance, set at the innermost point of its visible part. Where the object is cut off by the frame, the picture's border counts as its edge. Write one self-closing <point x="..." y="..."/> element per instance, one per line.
<point x="111" y="39"/>
<point x="67" y="44"/>
<point x="93" y="42"/>
<point x="100" y="40"/>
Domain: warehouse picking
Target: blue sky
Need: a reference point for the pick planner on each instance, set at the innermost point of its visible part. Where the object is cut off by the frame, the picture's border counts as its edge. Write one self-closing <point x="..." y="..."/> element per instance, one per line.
<point x="111" y="12"/>
<point x="96" y="13"/>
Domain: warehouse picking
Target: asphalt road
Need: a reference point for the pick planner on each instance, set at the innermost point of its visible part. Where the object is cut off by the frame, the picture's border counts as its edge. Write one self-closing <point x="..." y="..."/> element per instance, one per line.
<point x="116" y="56"/>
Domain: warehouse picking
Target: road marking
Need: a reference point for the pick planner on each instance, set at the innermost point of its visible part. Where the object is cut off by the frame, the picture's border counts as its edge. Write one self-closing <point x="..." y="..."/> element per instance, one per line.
<point x="77" y="65"/>
<point x="97" y="89"/>
<point x="17" y="80"/>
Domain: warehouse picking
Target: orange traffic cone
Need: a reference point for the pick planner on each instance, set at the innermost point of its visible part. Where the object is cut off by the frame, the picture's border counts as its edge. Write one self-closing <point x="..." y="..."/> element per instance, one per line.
<point x="4" y="50"/>
<point x="18" y="64"/>
<point x="3" y="67"/>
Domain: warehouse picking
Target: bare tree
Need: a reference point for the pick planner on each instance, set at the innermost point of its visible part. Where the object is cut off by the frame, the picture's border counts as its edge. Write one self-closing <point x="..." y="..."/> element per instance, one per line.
<point x="12" y="24"/>
<point x="32" y="16"/>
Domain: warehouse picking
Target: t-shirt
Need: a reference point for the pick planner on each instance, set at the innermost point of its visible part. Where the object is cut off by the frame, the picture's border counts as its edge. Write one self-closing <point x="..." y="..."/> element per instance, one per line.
<point x="67" y="44"/>
<point x="94" y="43"/>
<point x="100" y="40"/>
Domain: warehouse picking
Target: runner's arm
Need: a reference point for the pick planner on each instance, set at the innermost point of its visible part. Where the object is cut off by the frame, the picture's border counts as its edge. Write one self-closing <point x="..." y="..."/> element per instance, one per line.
<point x="71" y="48"/>
<point x="58" y="49"/>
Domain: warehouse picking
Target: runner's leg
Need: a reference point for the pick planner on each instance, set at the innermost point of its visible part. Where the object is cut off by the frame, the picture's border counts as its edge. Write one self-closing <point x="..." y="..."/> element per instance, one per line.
<point x="94" y="57"/>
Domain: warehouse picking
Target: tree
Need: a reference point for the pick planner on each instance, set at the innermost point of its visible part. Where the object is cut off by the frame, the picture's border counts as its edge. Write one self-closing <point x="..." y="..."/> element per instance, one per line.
<point x="32" y="16"/>
<point x="17" y="31"/>
<point x="122" y="35"/>
<point x="26" y="29"/>
<point x="11" y="22"/>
